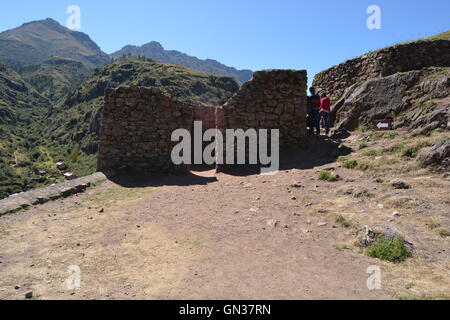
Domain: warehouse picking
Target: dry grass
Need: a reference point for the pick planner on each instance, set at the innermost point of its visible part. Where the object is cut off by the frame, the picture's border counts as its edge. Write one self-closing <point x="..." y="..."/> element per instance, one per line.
<point x="424" y="209"/>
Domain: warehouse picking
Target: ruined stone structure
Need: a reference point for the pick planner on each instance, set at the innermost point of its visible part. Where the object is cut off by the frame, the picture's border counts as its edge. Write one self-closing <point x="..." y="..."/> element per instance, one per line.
<point x="381" y="63"/>
<point x="138" y="122"/>
<point x="137" y="126"/>
<point x="274" y="99"/>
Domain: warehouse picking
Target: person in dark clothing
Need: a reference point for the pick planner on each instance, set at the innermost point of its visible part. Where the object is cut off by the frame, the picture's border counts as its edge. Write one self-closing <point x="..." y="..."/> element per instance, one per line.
<point x="325" y="109"/>
<point x="313" y="112"/>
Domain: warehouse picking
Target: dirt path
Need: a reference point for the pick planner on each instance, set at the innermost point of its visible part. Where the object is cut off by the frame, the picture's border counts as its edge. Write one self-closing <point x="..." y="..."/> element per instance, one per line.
<point x="213" y="241"/>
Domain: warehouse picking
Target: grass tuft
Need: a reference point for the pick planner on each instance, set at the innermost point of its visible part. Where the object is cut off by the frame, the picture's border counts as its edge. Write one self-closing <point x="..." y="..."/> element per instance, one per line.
<point x="390" y="135"/>
<point x="370" y="153"/>
<point x="328" y="176"/>
<point x="350" y="164"/>
<point x="340" y="246"/>
<point x="343" y="221"/>
<point x="444" y="233"/>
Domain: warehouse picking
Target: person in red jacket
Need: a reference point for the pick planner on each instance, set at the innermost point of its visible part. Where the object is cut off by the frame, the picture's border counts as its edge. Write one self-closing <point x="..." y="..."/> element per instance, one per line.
<point x="325" y="109"/>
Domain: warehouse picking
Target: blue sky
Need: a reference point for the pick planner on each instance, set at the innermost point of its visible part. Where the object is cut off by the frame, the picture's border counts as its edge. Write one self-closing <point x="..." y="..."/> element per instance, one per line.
<point x="250" y="34"/>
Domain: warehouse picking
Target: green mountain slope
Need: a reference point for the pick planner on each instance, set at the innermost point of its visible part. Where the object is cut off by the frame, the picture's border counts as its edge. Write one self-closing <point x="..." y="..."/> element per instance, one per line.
<point x="21" y="107"/>
<point x="155" y="50"/>
<point x="20" y="104"/>
<point x="38" y="41"/>
<point x="55" y="77"/>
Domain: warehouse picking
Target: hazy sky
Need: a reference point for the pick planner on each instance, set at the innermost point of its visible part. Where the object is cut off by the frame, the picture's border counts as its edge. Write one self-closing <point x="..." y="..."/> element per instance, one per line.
<point x="250" y="34"/>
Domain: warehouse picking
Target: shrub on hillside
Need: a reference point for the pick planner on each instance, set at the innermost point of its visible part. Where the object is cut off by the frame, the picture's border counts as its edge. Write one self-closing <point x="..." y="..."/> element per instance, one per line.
<point x="328" y="176"/>
<point x="393" y="251"/>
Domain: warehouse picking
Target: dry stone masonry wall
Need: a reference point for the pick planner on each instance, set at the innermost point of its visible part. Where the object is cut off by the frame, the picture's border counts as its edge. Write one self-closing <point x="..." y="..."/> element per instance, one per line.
<point x="273" y="99"/>
<point x="382" y="63"/>
<point x="136" y="129"/>
<point x="138" y="122"/>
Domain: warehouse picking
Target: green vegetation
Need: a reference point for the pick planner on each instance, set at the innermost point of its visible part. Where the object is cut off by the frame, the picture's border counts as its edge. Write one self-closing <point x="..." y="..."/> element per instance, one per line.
<point x="343" y="221"/>
<point x="328" y="176"/>
<point x="363" y="128"/>
<point x="21" y="154"/>
<point x="362" y="145"/>
<point x="411" y="151"/>
<point x="340" y="246"/>
<point x="370" y="153"/>
<point x="441" y="72"/>
<point x="97" y="183"/>
<point x="441" y="141"/>
<point x="350" y="164"/>
<point x="444" y="233"/>
<point x="56" y="77"/>
<point x="408" y="150"/>
<point x="390" y="135"/>
<point x="364" y="165"/>
<point x="375" y="135"/>
<point x="393" y="251"/>
<point x="343" y="158"/>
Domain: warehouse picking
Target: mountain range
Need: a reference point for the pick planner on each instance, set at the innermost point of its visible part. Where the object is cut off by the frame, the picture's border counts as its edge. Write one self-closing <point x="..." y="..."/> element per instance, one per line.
<point x="157" y="52"/>
<point x="38" y="41"/>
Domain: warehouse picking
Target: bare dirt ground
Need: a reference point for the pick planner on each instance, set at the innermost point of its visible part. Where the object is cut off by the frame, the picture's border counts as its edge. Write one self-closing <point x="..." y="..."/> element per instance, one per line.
<point x="234" y="236"/>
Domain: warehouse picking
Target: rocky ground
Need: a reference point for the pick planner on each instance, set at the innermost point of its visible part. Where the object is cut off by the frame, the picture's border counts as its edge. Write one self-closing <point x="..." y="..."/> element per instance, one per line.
<point x="242" y="235"/>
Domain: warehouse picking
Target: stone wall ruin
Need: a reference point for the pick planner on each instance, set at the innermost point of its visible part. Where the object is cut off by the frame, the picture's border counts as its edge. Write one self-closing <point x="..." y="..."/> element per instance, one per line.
<point x="138" y="122"/>
<point x="382" y="63"/>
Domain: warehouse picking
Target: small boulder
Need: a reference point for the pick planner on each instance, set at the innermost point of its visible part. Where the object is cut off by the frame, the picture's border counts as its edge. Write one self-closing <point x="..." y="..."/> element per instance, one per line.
<point x="369" y="237"/>
<point x="390" y="233"/>
<point x="401" y="185"/>
<point x="29" y="294"/>
<point x="40" y="200"/>
<point x="61" y="166"/>
<point x="70" y="176"/>
<point x="272" y="223"/>
<point x="439" y="156"/>
<point x="67" y="192"/>
<point x="82" y="187"/>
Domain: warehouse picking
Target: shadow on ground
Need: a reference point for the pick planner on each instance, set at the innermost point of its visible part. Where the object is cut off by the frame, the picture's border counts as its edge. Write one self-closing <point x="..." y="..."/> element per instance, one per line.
<point x="138" y="180"/>
<point x="317" y="151"/>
